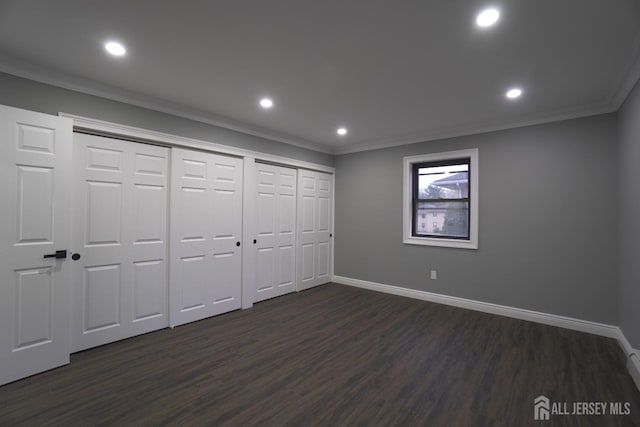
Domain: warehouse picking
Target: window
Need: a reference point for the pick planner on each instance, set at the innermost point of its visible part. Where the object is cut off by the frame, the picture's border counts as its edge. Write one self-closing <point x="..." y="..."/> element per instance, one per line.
<point x="444" y="185"/>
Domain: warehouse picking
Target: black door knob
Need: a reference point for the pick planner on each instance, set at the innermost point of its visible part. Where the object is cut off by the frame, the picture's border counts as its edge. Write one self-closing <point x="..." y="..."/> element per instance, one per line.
<point x="57" y="255"/>
<point x="75" y="257"/>
<point x="237" y="243"/>
<point x="255" y="241"/>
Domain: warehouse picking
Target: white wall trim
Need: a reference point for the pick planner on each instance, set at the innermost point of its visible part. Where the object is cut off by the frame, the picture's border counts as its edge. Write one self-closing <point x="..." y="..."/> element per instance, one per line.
<point x="476" y="129"/>
<point x="624" y="343"/>
<point x="602" y="329"/>
<point x="249" y="186"/>
<point x="249" y="158"/>
<point x="629" y="77"/>
<point x="633" y="366"/>
<point x="632" y="355"/>
<point x="407" y="205"/>
<point x="595" y="328"/>
<point x="115" y="129"/>
<point x="53" y="77"/>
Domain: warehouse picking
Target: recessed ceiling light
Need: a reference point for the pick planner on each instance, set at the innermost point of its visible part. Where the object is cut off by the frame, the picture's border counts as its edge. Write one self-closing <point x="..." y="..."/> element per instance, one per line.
<point x="514" y="93"/>
<point x="342" y="131"/>
<point x="266" y="103"/>
<point x="115" y="48"/>
<point x="488" y="17"/>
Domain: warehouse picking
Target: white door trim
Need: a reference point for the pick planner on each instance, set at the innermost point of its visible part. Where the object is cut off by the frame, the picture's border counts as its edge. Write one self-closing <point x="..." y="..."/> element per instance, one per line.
<point x="114" y="129"/>
<point x="248" y="232"/>
<point x="587" y="326"/>
<point x="250" y="157"/>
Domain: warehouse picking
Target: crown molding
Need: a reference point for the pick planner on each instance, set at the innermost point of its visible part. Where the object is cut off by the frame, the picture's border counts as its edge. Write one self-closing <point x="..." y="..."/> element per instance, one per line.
<point x="101" y="127"/>
<point x="629" y="77"/>
<point x="56" y="78"/>
<point x="590" y="110"/>
<point x="30" y="71"/>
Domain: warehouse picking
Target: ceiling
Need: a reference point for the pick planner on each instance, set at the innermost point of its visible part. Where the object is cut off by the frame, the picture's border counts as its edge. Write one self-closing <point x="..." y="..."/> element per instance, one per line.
<point x="390" y="72"/>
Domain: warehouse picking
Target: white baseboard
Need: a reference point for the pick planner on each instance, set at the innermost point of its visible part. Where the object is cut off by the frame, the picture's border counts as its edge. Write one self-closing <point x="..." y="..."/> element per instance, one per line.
<point x="501" y="310"/>
<point x="633" y="366"/>
<point x="624" y="343"/>
<point x="633" y="357"/>
<point x="610" y="331"/>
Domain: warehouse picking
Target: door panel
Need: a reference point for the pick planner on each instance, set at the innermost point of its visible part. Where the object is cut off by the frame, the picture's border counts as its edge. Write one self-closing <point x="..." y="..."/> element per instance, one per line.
<point x="103" y="200"/>
<point x="206" y="227"/>
<point x="308" y="255"/>
<point x="35" y="204"/>
<point x="276" y="214"/>
<point x="308" y="213"/>
<point x="102" y="297"/>
<point x="33" y="308"/>
<point x="121" y="280"/>
<point x="314" y="238"/>
<point x="148" y="278"/>
<point x="287" y="265"/>
<point x="35" y="160"/>
<point x="149" y="227"/>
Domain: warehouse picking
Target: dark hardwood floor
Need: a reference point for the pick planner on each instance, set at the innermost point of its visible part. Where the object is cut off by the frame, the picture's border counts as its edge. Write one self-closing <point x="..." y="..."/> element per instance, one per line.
<point x="331" y="356"/>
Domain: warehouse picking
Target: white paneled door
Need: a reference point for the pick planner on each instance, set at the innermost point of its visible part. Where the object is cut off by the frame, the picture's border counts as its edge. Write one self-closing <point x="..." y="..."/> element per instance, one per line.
<point x="35" y="163"/>
<point x="314" y="245"/>
<point x="119" y="268"/>
<point x="206" y="231"/>
<point x="276" y="225"/>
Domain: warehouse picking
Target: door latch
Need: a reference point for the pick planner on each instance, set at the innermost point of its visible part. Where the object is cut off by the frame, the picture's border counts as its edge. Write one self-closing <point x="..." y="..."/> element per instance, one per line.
<point x="57" y="255"/>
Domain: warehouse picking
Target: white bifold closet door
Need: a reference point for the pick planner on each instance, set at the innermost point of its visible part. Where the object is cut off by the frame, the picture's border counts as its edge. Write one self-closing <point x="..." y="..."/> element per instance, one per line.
<point x="276" y="225"/>
<point x="206" y="231"/>
<point x="314" y="246"/>
<point x="35" y="163"/>
<point x="120" y="284"/>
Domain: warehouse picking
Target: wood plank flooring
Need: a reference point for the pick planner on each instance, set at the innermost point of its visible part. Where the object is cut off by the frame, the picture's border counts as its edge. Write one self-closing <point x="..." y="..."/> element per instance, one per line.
<point x="331" y="356"/>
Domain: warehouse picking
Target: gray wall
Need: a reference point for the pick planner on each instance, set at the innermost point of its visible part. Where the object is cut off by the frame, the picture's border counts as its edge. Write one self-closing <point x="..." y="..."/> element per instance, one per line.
<point x="34" y="96"/>
<point x="629" y="225"/>
<point x="547" y="214"/>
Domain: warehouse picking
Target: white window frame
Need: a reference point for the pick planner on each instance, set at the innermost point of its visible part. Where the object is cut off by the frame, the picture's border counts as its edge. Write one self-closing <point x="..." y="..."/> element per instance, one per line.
<point x="407" y="209"/>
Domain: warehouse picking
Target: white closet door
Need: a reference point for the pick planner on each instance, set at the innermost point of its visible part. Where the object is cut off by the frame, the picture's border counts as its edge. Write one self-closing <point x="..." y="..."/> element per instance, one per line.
<point x="314" y="228"/>
<point x="35" y="163"/>
<point x="120" y="281"/>
<point x="206" y="231"/>
<point x="276" y="221"/>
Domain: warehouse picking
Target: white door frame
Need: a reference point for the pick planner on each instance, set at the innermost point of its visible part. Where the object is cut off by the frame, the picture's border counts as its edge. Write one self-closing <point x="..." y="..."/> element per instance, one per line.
<point x="249" y="187"/>
<point x="249" y="233"/>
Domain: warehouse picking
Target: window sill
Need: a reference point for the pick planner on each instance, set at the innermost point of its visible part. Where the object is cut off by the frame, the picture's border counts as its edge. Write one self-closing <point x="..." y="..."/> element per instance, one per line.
<point x="445" y="243"/>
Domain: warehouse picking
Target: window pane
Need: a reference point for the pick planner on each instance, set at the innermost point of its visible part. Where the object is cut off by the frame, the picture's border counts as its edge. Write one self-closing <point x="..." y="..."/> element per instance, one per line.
<point x="443" y="182"/>
<point x="447" y="219"/>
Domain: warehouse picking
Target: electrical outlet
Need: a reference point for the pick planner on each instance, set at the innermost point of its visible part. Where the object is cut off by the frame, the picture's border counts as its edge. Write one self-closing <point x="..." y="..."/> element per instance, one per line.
<point x="434" y="275"/>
